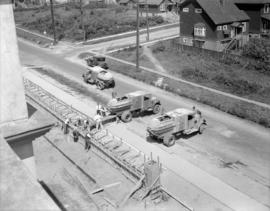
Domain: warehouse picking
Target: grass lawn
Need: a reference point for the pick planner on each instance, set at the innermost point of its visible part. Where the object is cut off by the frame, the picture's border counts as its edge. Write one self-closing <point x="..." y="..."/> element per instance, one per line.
<point x="236" y="78"/>
<point x="98" y="21"/>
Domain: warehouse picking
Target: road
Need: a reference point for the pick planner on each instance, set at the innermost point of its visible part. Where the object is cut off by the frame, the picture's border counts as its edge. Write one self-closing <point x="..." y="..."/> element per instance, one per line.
<point x="228" y="138"/>
<point x="161" y="34"/>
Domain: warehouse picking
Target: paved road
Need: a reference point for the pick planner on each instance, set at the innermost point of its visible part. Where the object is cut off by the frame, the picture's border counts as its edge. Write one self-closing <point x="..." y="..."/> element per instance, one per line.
<point x="227" y="137"/>
<point x="130" y="40"/>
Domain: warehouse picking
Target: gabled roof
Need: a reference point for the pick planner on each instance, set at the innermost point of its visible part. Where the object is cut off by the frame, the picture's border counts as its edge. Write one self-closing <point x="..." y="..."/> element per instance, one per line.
<point x="152" y="2"/>
<point x="125" y="1"/>
<point x="251" y="1"/>
<point x="222" y="13"/>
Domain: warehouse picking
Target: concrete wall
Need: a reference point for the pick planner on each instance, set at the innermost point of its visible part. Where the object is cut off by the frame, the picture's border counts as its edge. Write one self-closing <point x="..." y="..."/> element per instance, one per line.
<point x="12" y="96"/>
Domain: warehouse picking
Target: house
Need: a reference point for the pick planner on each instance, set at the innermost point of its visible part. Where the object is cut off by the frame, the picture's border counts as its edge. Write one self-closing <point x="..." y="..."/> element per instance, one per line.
<point x="156" y="6"/>
<point x="259" y="13"/>
<point x="212" y="24"/>
<point x="128" y="3"/>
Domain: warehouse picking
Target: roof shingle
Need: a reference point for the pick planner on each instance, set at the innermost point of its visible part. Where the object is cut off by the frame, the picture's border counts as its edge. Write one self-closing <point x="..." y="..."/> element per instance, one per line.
<point x="222" y="13"/>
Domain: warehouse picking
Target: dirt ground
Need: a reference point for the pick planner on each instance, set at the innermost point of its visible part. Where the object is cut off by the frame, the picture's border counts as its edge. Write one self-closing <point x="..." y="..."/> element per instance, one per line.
<point x="99" y="21"/>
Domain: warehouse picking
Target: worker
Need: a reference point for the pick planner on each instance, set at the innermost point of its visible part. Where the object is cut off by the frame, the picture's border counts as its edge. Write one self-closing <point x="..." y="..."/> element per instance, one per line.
<point x="98" y="120"/>
<point x="85" y="124"/>
<point x="98" y="108"/>
<point x="75" y="134"/>
<point x="79" y="121"/>
<point x="102" y="110"/>
<point x="65" y="125"/>
<point x="88" y="137"/>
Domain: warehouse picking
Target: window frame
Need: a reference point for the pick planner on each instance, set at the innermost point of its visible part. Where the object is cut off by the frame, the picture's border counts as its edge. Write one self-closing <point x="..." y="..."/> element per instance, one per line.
<point x="224" y="27"/>
<point x="266" y="8"/>
<point x="200" y="31"/>
<point x="185" y="9"/>
<point x="198" y="10"/>
<point x="219" y="28"/>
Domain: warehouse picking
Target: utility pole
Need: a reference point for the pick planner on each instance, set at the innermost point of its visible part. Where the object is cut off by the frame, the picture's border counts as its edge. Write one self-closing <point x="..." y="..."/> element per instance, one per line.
<point x="53" y="24"/>
<point x="147" y="21"/>
<point x="179" y="13"/>
<point x="137" y="39"/>
<point x="179" y="10"/>
<point x="82" y="24"/>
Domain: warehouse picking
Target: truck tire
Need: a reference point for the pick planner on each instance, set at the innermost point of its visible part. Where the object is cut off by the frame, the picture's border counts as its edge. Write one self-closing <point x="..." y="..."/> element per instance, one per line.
<point x="112" y="84"/>
<point x="100" y="85"/>
<point x="156" y="108"/>
<point x="126" y="116"/>
<point x="202" y="128"/>
<point x="169" y="141"/>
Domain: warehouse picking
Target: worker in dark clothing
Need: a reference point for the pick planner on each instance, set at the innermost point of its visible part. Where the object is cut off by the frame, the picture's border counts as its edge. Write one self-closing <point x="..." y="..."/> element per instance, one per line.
<point x="87" y="142"/>
<point x="75" y="135"/>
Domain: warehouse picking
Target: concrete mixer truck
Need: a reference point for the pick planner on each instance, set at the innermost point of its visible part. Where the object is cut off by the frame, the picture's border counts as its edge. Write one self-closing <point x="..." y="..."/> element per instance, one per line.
<point x="181" y="121"/>
<point x="100" y="77"/>
<point x="132" y="104"/>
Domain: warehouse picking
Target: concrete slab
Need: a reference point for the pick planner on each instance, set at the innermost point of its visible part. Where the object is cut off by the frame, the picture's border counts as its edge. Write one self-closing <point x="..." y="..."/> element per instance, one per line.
<point x="18" y="189"/>
<point x="38" y="119"/>
<point x="99" y="169"/>
<point x="58" y="174"/>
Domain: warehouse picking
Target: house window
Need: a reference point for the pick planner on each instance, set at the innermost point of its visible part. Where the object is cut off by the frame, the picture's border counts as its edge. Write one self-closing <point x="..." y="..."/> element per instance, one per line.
<point x="185" y="9"/>
<point x="199" y="31"/>
<point x="266" y="8"/>
<point x="225" y="27"/>
<point x="197" y="10"/>
<point x="219" y="28"/>
<point x="162" y="7"/>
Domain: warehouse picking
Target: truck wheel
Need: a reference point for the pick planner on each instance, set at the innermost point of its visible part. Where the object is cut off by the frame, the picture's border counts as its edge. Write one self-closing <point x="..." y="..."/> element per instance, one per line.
<point x="156" y="108"/>
<point x="100" y="85"/>
<point x="169" y="141"/>
<point x="126" y="116"/>
<point x="202" y="128"/>
<point x="113" y="84"/>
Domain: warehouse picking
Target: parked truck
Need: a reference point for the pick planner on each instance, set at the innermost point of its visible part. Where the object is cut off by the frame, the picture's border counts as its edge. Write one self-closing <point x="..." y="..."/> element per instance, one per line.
<point x="96" y="60"/>
<point x="133" y="104"/>
<point x="100" y="77"/>
<point x="171" y="125"/>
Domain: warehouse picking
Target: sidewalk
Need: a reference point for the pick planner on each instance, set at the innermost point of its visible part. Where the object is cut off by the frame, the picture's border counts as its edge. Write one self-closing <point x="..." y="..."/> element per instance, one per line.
<point x="196" y="187"/>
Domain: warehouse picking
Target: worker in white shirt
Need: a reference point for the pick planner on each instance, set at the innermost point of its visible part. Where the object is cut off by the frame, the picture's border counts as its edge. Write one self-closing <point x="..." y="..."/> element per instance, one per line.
<point x="98" y="120"/>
